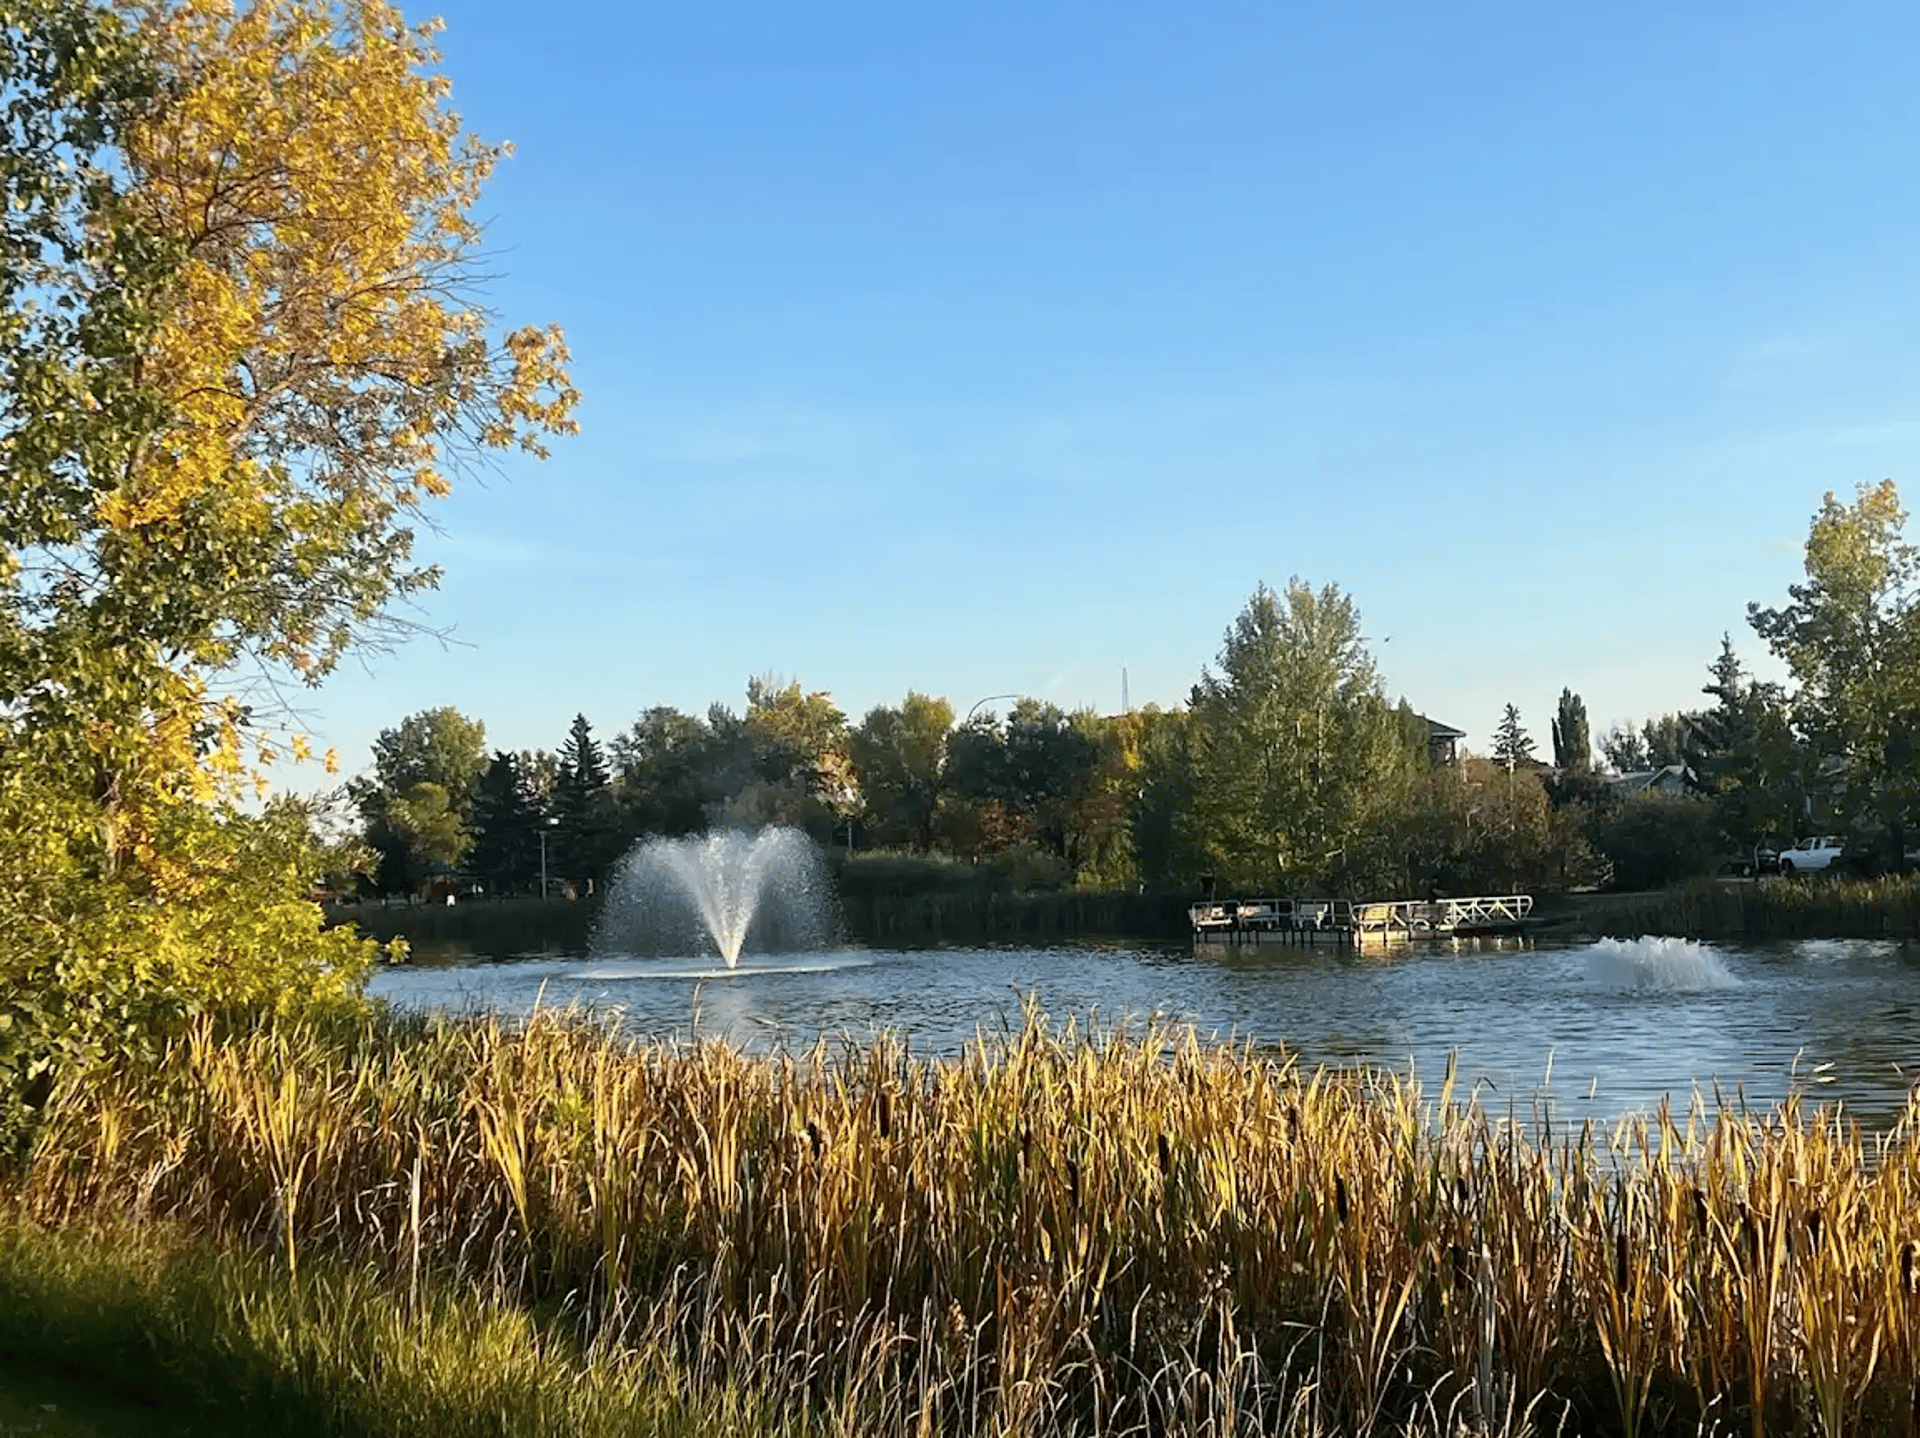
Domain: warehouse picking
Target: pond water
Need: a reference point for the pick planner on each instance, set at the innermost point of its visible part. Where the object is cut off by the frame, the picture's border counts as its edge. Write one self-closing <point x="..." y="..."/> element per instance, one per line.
<point x="1622" y="1023"/>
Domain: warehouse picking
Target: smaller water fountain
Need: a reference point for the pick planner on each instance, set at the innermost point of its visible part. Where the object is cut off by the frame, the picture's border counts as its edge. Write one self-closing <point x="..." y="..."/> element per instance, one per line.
<point x="1676" y="965"/>
<point x="727" y="889"/>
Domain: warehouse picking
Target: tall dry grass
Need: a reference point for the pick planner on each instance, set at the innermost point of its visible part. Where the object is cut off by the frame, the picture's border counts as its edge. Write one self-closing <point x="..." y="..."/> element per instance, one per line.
<point x="1060" y="1231"/>
<point x="1811" y="906"/>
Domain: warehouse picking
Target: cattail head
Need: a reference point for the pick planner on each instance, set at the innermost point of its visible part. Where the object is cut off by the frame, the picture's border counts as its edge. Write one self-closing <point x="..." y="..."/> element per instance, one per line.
<point x="1073" y="1182"/>
<point x="886" y="1114"/>
<point x="1700" y="1210"/>
<point x="813" y="1137"/>
<point x="1166" y="1157"/>
<point x="1620" y="1259"/>
<point x="1340" y="1197"/>
<point x="1457" y="1260"/>
<point x="1908" y="1251"/>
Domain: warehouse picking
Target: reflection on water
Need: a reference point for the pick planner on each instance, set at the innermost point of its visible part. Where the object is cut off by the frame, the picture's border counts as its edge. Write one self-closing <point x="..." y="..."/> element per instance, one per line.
<point x="1624" y="1023"/>
<point x="717" y="971"/>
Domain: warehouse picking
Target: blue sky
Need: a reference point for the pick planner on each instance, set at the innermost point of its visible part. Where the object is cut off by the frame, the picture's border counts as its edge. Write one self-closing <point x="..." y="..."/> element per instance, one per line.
<point x="998" y="347"/>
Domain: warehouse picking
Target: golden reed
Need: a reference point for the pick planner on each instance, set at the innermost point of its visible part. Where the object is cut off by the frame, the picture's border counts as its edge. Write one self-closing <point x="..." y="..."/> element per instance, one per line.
<point x="1061" y="1229"/>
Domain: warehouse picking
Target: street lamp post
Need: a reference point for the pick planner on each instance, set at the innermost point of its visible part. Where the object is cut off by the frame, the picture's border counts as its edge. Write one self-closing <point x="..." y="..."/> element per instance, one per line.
<point x="550" y="824"/>
<point x="977" y="703"/>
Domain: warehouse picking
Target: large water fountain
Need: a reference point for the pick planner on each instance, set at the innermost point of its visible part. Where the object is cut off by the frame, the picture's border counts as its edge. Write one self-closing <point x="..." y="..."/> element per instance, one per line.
<point x="727" y="889"/>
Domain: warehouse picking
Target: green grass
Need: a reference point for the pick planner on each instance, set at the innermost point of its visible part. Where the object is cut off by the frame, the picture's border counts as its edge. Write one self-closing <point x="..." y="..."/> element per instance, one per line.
<point x="38" y="1403"/>
<point x="144" y="1329"/>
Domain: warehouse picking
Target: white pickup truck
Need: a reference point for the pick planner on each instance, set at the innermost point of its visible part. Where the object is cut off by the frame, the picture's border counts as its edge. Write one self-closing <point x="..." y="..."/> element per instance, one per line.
<point x="1810" y="856"/>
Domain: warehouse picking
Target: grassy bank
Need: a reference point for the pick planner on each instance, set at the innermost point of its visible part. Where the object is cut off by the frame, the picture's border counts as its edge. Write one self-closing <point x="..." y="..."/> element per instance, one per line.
<point x="145" y="1328"/>
<point x="1768" y="908"/>
<point x="1058" y="1233"/>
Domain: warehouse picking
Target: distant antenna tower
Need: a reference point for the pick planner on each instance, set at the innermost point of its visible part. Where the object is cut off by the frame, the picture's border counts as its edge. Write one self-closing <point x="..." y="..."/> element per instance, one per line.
<point x="1126" y="704"/>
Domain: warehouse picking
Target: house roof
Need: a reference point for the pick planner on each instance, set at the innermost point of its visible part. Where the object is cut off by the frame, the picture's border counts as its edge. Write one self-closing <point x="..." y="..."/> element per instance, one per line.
<point x="1437" y="730"/>
<point x="1640" y="780"/>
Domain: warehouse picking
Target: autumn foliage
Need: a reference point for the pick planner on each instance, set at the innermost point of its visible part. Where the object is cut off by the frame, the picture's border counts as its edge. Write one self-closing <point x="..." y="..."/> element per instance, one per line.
<point x="241" y="345"/>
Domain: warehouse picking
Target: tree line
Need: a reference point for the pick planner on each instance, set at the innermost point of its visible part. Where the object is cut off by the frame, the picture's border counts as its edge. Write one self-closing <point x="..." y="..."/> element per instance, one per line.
<point x="1288" y="766"/>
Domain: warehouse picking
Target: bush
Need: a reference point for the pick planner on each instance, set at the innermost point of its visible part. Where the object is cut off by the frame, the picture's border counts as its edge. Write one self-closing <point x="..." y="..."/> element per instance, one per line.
<point x="105" y="960"/>
<point x="886" y="874"/>
<point x="1653" y="841"/>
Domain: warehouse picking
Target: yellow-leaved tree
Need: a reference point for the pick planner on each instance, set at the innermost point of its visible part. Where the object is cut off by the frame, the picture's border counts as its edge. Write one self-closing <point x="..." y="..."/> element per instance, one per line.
<point x="241" y="346"/>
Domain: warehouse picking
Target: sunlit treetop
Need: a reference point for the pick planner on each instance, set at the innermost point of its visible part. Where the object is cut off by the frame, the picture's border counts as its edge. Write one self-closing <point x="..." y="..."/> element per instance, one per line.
<point x="324" y="358"/>
<point x="242" y="344"/>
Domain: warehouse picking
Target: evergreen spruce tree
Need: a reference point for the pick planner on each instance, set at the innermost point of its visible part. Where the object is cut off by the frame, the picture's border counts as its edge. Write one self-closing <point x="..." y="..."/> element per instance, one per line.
<point x="585" y="838"/>
<point x="507" y="821"/>
<point x="1511" y="744"/>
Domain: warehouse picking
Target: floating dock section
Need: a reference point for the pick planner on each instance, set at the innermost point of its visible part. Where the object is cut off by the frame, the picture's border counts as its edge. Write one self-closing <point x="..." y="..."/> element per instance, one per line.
<point x="1303" y="921"/>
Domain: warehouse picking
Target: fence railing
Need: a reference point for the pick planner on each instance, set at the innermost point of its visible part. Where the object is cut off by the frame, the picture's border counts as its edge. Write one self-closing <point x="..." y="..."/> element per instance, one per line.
<point x="1409" y="917"/>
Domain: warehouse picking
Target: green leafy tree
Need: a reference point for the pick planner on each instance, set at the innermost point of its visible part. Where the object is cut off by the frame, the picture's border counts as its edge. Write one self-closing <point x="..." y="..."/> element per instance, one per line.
<point x="1027" y="778"/>
<point x="795" y="759"/>
<point x="977" y="813"/>
<point x="1167" y="851"/>
<point x="419" y="799"/>
<point x="538" y="769"/>
<point x="899" y="757"/>
<point x="240" y="348"/>
<point x="1470" y="828"/>
<point x="1653" y="840"/>
<point x="1100" y="841"/>
<point x="1625" y="750"/>
<point x="799" y="732"/>
<point x="1572" y="741"/>
<point x="417" y="833"/>
<point x="436" y="746"/>
<point x="1850" y="635"/>
<point x="1654" y="745"/>
<point x="661" y="762"/>
<point x="1296" y="753"/>
<point x="1050" y="762"/>
<point x="1744" y="755"/>
<point x="1667" y="739"/>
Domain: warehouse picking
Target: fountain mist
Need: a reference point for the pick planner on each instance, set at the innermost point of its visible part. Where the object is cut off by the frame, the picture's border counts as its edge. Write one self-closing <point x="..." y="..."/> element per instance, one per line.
<point x="725" y="889"/>
<point x="1659" y="963"/>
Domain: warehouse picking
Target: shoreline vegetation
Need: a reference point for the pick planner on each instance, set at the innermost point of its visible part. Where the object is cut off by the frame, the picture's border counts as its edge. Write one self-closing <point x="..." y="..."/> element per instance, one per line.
<point x="1768" y="908"/>
<point x="400" y="1226"/>
<point x="956" y="908"/>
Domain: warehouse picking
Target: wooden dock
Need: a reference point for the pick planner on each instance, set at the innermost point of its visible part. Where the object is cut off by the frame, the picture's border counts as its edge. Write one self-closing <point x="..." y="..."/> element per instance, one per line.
<point x="1306" y="921"/>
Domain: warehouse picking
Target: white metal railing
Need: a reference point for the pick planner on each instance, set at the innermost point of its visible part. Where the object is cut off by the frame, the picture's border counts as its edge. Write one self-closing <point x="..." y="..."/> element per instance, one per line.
<point x="1443" y="916"/>
<point x="1389" y="916"/>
